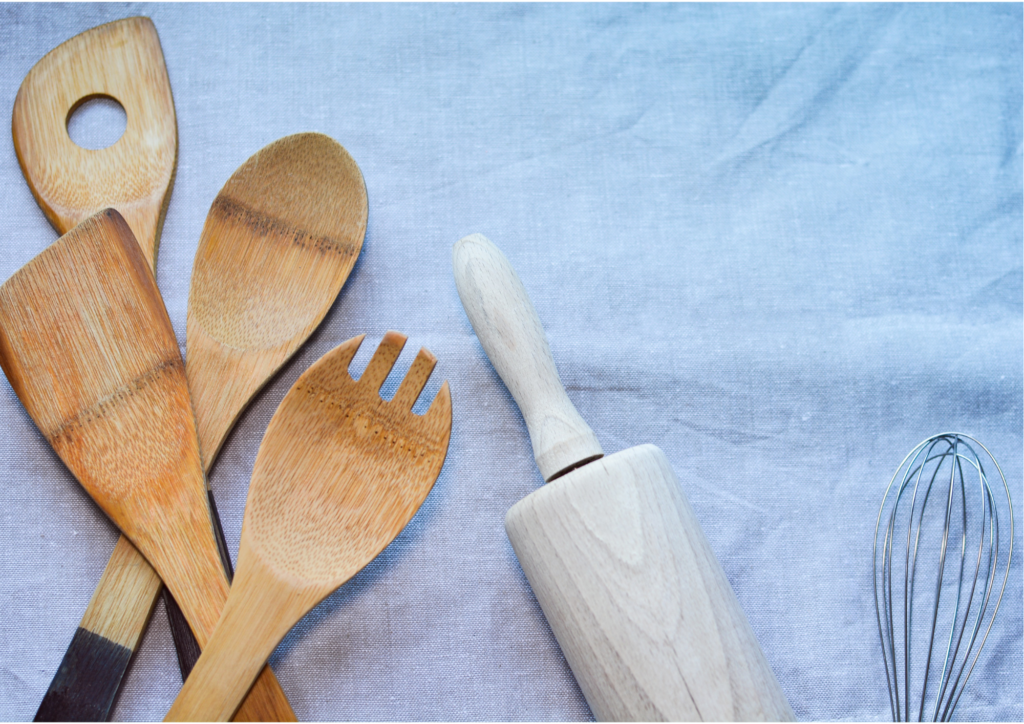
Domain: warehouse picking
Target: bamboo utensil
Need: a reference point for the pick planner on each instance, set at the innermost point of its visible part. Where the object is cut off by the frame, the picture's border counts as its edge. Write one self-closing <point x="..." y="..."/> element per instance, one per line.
<point x="338" y="475"/>
<point x="120" y="60"/>
<point x="279" y="242"/>
<point x="640" y="606"/>
<point x="88" y="347"/>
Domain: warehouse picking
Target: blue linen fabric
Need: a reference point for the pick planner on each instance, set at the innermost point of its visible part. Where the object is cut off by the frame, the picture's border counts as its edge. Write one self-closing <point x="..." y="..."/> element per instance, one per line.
<point x="781" y="242"/>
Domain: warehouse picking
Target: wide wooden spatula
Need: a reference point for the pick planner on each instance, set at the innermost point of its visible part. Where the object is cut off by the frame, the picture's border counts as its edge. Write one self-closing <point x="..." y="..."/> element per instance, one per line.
<point x="88" y="347"/>
<point x="640" y="606"/>
<point x="338" y="475"/>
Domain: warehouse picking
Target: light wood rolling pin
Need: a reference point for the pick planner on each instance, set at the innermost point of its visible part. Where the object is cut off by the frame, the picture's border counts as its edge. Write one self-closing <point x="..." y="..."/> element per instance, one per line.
<point x="620" y="566"/>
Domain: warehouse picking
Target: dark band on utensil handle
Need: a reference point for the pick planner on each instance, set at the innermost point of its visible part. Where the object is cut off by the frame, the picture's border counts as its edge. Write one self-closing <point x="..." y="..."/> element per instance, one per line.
<point x="87" y="681"/>
<point x="185" y="644"/>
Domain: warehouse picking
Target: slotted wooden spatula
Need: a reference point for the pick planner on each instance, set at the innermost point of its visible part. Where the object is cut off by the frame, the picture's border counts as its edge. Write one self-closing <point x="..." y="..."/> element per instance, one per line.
<point x="123" y="61"/>
<point x="338" y="475"/>
<point x="88" y="347"/>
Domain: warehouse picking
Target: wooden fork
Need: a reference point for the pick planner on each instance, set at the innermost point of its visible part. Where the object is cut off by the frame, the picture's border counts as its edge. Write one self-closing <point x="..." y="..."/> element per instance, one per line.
<point x="338" y="475"/>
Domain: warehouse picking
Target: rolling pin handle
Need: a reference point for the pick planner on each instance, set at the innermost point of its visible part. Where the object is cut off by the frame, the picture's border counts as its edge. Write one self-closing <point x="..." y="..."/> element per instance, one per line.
<point x="511" y="334"/>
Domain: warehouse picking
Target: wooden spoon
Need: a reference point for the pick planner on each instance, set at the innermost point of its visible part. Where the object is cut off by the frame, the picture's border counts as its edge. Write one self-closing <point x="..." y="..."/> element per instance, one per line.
<point x="88" y="347"/>
<point x="120" y="60"/>
<point x="279" y="242"/>
<point x="338" y="475"/>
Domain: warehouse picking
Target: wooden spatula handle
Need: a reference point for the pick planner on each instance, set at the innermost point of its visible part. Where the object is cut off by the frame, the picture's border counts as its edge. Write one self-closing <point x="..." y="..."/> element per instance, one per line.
<point x="511" y="334"/>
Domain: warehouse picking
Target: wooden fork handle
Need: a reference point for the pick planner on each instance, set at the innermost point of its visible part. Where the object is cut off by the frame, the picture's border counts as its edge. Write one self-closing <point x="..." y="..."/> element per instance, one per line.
<point x="258" y="614"/>
<point x="511" y="334"/>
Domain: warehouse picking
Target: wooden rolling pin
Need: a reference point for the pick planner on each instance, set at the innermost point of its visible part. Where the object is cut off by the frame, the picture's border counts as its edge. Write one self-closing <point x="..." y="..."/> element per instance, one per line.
<point x="619" y="564"/>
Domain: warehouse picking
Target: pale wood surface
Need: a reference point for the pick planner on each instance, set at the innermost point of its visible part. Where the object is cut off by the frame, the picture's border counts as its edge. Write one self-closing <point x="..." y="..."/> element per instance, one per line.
<point x="124" y="598"/>
<point x="338" y="475"/>
<point x="511" y="334"/>
<point x="636" y="598"/>
<point x="122" y="60"/>
<point x="638" y="602"/>
<point x="116" y="408"/>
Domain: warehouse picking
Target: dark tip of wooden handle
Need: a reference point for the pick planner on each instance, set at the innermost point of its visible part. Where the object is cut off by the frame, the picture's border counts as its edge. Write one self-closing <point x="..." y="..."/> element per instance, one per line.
<point x="87" y="681"/>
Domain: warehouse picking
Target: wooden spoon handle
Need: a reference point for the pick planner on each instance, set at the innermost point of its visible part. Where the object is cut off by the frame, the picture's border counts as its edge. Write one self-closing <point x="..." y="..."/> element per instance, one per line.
<point x="511" y="334"/>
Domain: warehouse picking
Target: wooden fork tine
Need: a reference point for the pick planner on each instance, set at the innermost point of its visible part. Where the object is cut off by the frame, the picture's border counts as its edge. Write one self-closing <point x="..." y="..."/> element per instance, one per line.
<point x="346" y="351"/>
<point x="441" y="408"/>
<point x="383" y="360"/>
<point x="415" y="380"/>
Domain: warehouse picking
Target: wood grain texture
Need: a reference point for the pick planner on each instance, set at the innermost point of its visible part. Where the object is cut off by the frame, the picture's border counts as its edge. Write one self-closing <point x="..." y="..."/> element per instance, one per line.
<point x="640" y="606"/>
<point x="123" y="601"/>
<point x="338" y="475"/>
<point x="278" y="244"/>
<point x="637" y="600"/>
<point x="511" y="334"/>
<point x="289" y="224"/>
<point x="121" y="60"/>
<point x="87" y="346"/>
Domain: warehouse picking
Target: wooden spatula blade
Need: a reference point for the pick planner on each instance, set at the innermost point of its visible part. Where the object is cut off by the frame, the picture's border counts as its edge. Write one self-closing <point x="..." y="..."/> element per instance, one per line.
<point x="87" y="345"/>
<point x="94" y="295"/>
<point x="120" y="60"/>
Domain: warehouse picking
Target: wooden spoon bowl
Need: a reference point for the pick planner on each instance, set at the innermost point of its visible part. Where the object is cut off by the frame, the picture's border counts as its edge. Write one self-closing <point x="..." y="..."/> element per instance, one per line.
<point x="278" y="244"/>
<point x="338" y="475"/>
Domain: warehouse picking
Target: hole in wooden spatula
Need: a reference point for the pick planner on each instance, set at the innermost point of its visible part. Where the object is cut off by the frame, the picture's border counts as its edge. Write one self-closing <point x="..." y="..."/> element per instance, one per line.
<point x="97" y="122"/>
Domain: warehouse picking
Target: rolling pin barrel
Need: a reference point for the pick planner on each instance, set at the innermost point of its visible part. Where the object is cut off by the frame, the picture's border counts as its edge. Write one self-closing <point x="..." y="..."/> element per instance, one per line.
<point x="633" y="592"/>
<point x="639" y="604"/>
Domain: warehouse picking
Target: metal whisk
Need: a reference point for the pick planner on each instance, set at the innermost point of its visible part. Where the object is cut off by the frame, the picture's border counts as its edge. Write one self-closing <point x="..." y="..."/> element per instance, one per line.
<point x="943" y="501"/>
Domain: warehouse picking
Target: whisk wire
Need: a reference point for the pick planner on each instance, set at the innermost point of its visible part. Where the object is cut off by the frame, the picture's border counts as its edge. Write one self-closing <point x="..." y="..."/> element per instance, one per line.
<point x="994" y="557"/>
<point x="985" y="503"/>
<point x="922" y="470"/>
